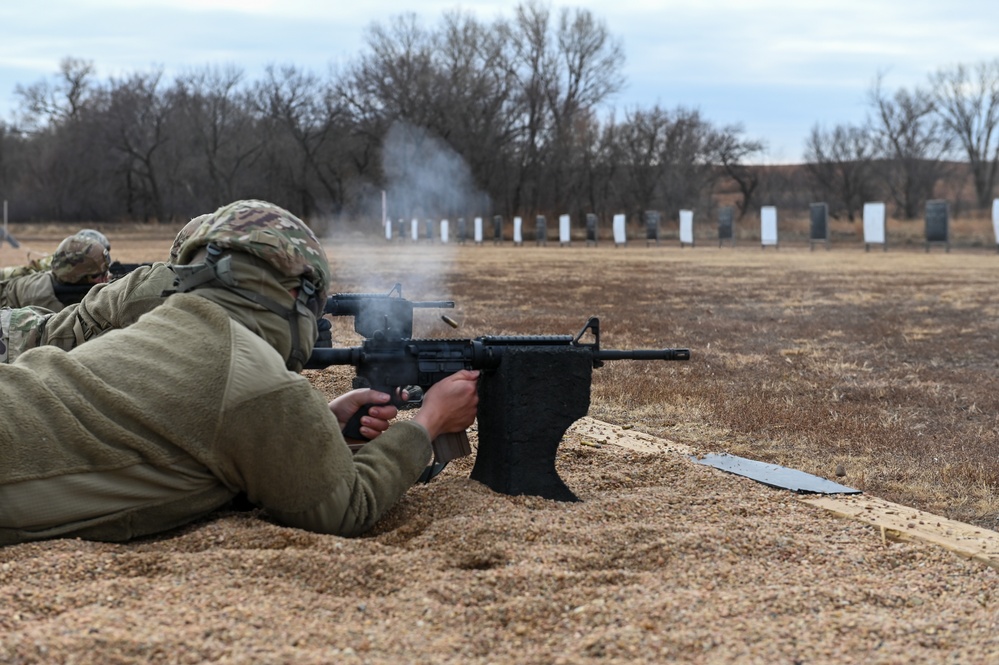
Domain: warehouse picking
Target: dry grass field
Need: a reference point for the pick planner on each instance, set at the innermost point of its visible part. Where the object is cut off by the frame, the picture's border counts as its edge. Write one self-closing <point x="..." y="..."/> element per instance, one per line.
<point x="881" y="365"/>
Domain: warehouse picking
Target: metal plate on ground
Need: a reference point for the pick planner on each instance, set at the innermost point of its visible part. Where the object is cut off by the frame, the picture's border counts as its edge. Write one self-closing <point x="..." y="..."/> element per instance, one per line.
<point x="775" y="475"/>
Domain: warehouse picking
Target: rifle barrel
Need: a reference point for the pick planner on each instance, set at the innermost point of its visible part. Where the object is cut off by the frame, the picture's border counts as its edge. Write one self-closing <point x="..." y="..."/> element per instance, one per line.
<point x="440" y="304"/>
<point x="643" y="354"/>
<point x="352" y="304"/>
<point x="483" y="352"/>
<point x="326" y="356"/>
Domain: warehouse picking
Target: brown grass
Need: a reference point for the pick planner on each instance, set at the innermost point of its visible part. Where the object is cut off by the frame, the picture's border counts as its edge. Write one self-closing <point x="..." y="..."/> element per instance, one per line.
<point x="884" y="362"/>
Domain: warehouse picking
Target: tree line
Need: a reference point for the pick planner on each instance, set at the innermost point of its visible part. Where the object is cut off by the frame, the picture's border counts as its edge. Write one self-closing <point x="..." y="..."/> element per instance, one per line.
<point x="463" y="118"/>
<point x="909" y="144"/>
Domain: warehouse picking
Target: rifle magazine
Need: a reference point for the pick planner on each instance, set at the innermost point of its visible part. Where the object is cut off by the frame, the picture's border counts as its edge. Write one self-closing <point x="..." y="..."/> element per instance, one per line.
<point x="451" y="446"/>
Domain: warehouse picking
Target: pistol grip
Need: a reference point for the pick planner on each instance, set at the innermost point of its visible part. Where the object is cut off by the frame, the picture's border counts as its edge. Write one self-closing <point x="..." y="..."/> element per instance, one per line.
<point x="352" y="430"/>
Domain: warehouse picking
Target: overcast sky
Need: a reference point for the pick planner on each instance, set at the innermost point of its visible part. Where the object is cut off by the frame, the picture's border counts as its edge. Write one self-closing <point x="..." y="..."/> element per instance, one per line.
<point x="777" y="67"/>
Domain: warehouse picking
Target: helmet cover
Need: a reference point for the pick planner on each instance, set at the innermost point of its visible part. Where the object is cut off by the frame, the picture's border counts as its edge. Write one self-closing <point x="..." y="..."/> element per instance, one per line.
<point x="80" y="259"/>
<point x="268" y="232"/>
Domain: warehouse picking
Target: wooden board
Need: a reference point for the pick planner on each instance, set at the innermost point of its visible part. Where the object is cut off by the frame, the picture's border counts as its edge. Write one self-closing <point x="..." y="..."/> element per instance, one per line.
<point x="902" y="523"/>
<point x="893" y="521"/>
<point x="597" y="431"/>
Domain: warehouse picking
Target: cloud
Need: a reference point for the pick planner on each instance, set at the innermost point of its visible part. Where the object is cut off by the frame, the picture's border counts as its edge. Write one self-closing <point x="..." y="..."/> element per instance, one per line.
<point x="734" y="60"/>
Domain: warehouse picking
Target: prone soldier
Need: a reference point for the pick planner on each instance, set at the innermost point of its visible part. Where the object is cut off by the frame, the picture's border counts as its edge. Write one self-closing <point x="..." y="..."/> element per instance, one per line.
<point x="79" y="263"/>
<point x="155" y="425"/>
<point x="44" y="263"/>
<point x="107" y="306"/>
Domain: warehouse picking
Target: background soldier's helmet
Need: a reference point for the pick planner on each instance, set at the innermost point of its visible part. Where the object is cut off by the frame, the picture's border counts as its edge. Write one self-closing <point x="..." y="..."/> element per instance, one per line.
<point x="186" y="233"/>
<point x="93" y="234"/>
<point x="79" y="260"/>
<point x="268" y="232"/>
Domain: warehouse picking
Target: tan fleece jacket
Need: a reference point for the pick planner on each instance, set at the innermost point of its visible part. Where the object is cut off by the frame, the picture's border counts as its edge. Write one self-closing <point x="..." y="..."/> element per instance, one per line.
<point x="106" y="306"/>
<point x="35" y="289"/>
<point x="149" y="427"/>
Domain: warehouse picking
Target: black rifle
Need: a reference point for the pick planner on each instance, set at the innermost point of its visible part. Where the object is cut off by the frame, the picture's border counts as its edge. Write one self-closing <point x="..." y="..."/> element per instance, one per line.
<point x="388" y="364"/>
<point x="386" y="314"/>
<point x="117" y="269"/>
<point x="70" y="294"/>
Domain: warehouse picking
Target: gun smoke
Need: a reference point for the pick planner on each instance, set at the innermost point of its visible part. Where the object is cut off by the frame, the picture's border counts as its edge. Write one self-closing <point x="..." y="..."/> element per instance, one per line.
<point x="426" y="179"/>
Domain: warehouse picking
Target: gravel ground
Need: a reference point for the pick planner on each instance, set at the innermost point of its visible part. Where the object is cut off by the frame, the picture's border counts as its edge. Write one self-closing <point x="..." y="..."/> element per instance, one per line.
<point x="662" y="560"/>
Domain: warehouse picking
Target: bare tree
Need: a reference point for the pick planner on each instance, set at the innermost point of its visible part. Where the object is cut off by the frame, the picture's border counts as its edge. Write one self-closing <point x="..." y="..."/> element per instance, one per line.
<point x="659" y="155"/>
<point x="458" y="89"/>
<point x="534" y="66"/>
<point x="465" y="87"/>
<point x="562" y="72"/>
<point x="222" y="130"/>
<point x="62" y="172"/>
<point x="591" y="65"/>
<point x="475" y="93"/>
<point x="12" y="143"/>
<point x="690" y="175"/>
<point x="731" y="152"/>
<point x="588" y="72"/>
<point x="603" y="162"/>
<point x="514" y="99"/>
<point x="136" y="128"/>
<point x="840" y="164"/>
<point x="967" y="101"/>
<point x="912" y="141"/>
<point x="60" y="101"/>
<point x="393" y="84"/>
<point x="6" y="141"/>
<point x="306" y="116"/>
<point x="395" y="79"/>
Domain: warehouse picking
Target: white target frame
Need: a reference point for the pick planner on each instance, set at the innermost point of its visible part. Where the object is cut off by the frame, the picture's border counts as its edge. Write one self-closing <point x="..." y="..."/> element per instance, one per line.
<point x="686" y="228"/>
<point x="874" y="225"/>
<point x="620" y="237"/>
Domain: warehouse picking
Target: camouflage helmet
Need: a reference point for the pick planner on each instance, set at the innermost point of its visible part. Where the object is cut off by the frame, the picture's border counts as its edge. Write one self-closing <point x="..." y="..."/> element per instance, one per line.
<point x="268" y="232"/>
<point x="79" y="260"/>
<point x="184" y="234"/>
<point x="94" y="234"/>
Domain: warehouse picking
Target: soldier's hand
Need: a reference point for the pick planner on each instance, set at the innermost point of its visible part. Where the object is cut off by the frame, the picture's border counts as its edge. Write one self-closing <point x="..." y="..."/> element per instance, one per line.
<point x="450" y="405"/>
<point x="377" y="419"/>
<point x="325" y="338"/>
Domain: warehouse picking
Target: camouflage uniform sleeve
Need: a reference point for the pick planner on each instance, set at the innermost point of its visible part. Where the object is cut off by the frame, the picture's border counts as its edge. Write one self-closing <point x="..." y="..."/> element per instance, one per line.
<point x="109" y="306"/>
<point x="20" y="329"/>
<point x="34" y="265"/>
<point x="34" y="290"/>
